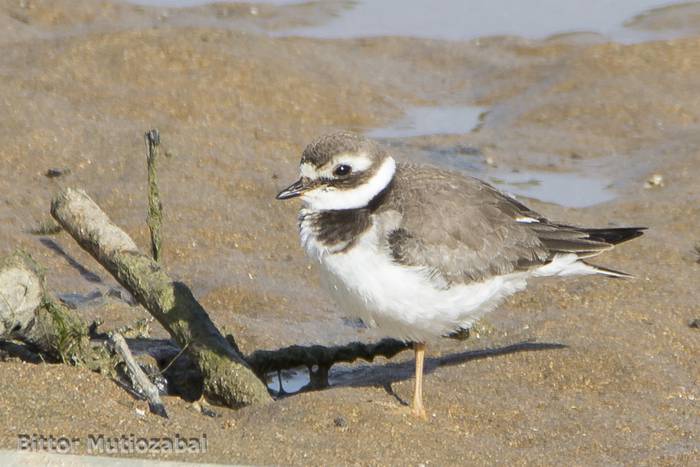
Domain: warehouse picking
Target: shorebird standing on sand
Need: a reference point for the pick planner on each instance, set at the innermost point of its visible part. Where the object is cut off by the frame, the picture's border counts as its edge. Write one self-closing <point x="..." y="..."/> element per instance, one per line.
<point x="421" y="252"/>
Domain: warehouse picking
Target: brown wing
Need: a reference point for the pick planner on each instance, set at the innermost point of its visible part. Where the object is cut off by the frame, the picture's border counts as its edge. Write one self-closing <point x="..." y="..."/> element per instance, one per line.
<point x="465" y="230"/>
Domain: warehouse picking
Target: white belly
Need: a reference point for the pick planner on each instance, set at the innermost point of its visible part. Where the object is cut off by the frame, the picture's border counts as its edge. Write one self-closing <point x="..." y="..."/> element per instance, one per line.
<point x="403" y="301"/>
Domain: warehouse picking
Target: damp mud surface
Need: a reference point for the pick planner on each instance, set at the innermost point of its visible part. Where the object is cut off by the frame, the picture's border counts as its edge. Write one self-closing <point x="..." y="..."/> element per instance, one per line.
<point x="588" y="370"/>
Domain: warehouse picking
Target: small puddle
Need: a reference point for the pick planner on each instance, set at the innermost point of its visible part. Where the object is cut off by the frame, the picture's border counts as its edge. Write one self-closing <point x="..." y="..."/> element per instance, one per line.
<point x="569" y="189"/>
<point x="193" y="3"/>
<point x="97" y="297"/>
<point x="461" y="20"/>
<point x="76" y="300"/>
<point x="563" y="188"/>
<point x="440" y="120"/>
<point x="292" y="381"/>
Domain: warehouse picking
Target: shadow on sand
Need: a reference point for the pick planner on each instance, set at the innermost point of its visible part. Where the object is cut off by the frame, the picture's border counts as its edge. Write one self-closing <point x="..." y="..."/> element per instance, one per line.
<point x="390" y="373"/>
<point x="384" y="375"/>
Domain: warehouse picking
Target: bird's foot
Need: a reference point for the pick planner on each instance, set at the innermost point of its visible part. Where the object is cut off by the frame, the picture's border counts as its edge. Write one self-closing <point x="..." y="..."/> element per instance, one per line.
<point x="418" y="411"/>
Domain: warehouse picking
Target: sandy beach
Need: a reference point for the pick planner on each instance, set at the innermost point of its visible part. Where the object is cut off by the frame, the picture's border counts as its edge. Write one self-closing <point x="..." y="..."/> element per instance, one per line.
<point x="236" y="102"/>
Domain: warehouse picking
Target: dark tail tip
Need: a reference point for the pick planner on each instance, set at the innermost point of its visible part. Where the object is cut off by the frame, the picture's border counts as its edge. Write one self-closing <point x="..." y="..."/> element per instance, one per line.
<point x="615" y="235"/>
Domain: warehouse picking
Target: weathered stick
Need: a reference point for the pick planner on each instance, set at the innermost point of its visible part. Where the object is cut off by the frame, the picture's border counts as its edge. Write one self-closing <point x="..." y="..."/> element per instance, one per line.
<point x="21" y="293"/>
<point x="138" y="378"/>
<point x="28" y="314"/>
<point x="264" y="361"/>
<point x="155" y="208"/>
<point x="227" y="377"/>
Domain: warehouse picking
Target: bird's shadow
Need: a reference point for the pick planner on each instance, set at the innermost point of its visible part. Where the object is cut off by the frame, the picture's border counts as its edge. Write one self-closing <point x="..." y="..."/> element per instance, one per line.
<point x="393" y="372"/>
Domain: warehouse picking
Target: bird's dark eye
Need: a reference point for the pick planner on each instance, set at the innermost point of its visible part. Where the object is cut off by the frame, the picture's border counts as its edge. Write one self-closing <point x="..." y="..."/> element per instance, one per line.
<point x="342" y="170"/>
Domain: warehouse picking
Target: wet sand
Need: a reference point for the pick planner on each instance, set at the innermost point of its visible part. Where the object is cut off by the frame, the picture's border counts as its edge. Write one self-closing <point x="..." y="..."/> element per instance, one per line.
<point x="82" y="81"/>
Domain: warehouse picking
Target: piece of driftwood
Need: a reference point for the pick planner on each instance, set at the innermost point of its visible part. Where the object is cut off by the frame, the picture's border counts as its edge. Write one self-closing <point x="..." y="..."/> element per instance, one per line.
<point x="34" y="327"/>
<point x="227" y="378"/>
<point x="29" y="315"/>
<point x="139" y="380"/>
<point x="183" y="376"/>
<point x="21" y="293"/>
<point x="155" y="207"/>
<point x="319" y="359"/>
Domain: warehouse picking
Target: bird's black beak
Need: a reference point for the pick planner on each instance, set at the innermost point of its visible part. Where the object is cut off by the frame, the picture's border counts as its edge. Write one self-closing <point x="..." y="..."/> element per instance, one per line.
<point x="295" y="189"/>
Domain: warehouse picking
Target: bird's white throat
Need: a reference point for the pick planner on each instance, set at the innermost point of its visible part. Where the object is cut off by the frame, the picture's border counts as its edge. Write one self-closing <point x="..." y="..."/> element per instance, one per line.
<point x="328" y="198"/>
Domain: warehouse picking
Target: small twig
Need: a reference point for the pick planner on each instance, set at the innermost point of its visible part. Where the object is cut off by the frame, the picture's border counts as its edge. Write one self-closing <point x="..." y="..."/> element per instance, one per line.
<point x="170" y="363"/>
<point x="155" y="207"/>
<point x="138" y="378"/>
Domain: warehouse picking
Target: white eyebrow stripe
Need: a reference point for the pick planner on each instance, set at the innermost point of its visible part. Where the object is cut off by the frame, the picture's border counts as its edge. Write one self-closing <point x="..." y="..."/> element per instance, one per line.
<point x="358" y="161"/>
<point x="325" y="198"/>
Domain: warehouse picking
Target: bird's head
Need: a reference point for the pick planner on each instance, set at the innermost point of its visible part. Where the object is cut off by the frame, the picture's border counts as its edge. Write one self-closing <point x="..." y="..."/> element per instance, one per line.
<point x="341" y="171"/>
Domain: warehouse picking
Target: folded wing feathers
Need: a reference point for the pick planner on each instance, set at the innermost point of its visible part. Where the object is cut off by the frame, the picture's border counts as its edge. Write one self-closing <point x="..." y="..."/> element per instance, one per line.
<point x="532" y="242"/>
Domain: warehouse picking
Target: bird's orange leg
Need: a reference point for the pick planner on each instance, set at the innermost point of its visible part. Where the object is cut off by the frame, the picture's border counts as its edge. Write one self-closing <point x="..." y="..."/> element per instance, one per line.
<point x="417" y="408"/>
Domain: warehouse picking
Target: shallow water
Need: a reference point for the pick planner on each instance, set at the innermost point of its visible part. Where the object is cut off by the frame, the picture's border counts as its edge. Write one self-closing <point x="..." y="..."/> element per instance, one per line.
<point x="191" y="3"/>
<point x="440" y="120"/>
<point x="461" y="20"/>
<point x="582" y="188"/>
<point x="292" y="380"/>
<point x="563" y="188"/>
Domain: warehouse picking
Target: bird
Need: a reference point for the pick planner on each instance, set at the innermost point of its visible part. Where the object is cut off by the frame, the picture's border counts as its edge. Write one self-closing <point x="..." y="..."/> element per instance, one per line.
<point x="420" y="252"/>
